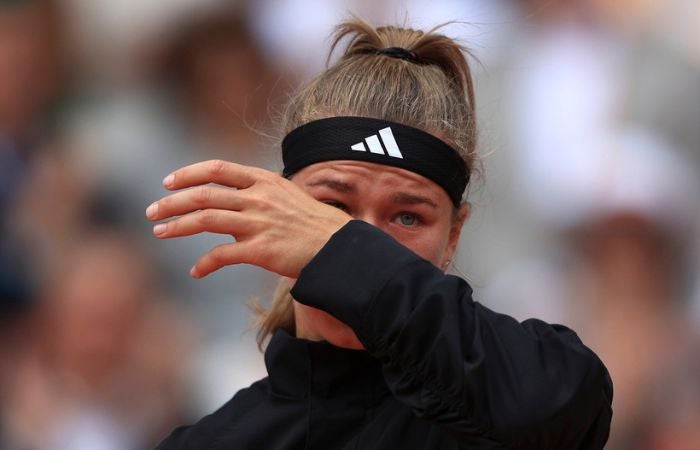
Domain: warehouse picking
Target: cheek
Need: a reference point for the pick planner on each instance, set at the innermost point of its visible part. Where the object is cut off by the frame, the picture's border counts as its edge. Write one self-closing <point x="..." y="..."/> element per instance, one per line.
<point x="430" y="244"/>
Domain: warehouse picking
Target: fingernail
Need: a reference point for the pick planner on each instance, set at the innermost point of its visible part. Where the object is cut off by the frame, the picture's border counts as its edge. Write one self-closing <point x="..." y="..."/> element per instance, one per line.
<point x="152" y="210"/>
<point x="194" y="273"/>
<point x="167" y="181"/>
<point x="159" y="229"/>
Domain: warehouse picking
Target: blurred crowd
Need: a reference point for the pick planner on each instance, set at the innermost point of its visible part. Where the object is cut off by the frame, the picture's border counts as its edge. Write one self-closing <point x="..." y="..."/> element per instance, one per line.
<point x="587" y="213"/>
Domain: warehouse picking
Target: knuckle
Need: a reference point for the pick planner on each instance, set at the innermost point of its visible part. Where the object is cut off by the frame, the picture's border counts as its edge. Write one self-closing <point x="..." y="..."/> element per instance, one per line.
<point x="216" y="166"/>
<point x="255" y="202"/>
<point x="206" y="218"/>
<point x="269" y="178"/>
<point x="202" y="195"/>
<point x="261" y="203"/>
<point x="258" y="173"/>
<point x="277" y="179"/>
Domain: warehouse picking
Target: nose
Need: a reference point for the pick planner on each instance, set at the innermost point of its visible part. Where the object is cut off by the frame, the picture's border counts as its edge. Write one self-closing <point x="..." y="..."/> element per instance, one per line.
<point x="369" y="217"/>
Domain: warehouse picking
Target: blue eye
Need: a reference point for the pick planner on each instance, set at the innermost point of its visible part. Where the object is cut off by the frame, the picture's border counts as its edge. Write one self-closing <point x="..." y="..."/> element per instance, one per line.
<point x="407" y="219"/>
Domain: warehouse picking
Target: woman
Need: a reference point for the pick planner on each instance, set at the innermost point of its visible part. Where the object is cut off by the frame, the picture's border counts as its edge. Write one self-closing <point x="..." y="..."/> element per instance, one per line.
<point x="376" y="348"/>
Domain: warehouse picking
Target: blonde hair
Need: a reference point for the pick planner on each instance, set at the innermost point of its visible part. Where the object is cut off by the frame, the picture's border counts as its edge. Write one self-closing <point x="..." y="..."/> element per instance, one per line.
<point x="434" y="93"/>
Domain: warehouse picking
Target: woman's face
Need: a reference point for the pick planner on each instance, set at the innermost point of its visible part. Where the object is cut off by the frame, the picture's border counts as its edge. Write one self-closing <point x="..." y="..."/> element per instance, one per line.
<point x="414" y="210"/>
<point x="409" y="207"/>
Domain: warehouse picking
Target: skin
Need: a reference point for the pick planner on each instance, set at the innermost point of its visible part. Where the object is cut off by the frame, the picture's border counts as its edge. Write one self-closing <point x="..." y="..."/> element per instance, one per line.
<point x="280" y="225"/>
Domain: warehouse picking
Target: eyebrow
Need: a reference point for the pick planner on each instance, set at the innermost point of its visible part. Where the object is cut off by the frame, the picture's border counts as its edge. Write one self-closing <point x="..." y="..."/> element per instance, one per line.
<point x="411" y="199"/>
<point x="335" y="185"/>
<point x="402" y="198"/>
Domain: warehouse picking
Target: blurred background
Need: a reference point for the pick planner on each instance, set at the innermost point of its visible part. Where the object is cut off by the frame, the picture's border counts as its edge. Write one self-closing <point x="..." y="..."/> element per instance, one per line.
<point x="587" y="212"/>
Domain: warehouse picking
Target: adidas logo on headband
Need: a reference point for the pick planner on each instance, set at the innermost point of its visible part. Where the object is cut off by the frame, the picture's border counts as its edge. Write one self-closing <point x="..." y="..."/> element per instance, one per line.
<point x="333" y="139"/>
<point x="375" y="142"/>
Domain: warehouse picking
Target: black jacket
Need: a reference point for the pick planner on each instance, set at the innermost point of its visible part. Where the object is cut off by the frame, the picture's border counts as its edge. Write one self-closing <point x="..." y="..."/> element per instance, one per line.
<point x="440" y="371"/>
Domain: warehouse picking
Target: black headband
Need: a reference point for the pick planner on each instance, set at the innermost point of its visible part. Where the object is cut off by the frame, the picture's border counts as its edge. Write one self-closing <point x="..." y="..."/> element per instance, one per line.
<point x="400" y="53"/>
<point x="378" y="141"/>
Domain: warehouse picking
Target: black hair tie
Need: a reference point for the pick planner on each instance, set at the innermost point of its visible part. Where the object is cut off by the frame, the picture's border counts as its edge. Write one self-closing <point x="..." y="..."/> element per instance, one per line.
<point x="399" y="53"/>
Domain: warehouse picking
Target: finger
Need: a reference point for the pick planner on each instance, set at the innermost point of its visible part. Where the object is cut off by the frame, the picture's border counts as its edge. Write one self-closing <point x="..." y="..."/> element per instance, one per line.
<point x="197" y="198"/>
<point x="220" y="256"/>
<point x="210" y="220"/>
<point x="214" y="171"/>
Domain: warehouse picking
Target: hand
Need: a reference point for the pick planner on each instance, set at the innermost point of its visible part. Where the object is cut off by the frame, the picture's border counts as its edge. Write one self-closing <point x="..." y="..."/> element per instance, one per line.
<point x="276" y="225"/>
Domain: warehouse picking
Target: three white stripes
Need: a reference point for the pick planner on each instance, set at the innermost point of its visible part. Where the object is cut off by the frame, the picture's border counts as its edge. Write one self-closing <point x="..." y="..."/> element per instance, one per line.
<point x="374" y="143"/>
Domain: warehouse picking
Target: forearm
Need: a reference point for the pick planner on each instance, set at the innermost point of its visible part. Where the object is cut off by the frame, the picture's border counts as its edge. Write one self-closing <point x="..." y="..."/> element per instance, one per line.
<point x="476" y="372"/>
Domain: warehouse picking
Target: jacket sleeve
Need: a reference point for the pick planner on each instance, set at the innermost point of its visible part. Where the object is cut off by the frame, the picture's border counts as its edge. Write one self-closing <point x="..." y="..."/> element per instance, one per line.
<point x="487" y="379"/>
